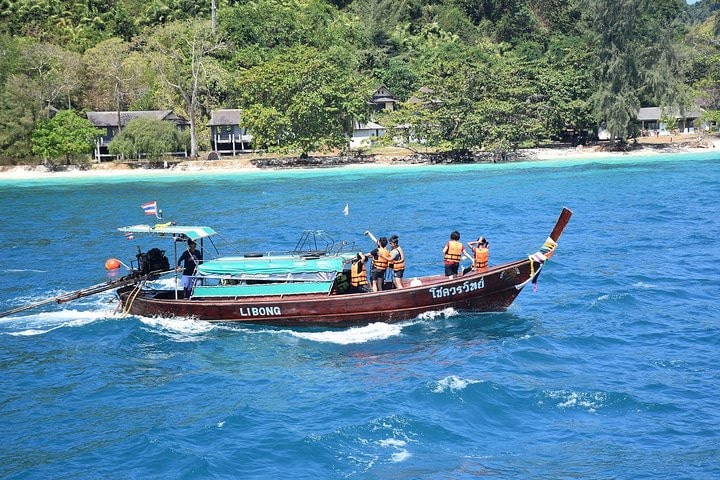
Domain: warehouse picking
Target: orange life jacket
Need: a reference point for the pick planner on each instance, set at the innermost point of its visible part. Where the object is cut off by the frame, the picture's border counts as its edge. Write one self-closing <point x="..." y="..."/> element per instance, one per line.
<point x="453" y="251"/>
<point x="358" y="276"/>
<point x="481" y="257"/>
<point x="399" y="263"/>
<point x="383" y="257"/>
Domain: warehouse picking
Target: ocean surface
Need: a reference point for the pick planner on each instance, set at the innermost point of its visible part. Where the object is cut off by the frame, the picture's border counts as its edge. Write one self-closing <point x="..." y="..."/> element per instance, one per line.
<point x="610" y="370"/>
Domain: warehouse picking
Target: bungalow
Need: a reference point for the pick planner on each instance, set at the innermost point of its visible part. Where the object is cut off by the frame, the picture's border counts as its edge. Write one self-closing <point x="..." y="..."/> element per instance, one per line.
<point x="226" y="134"/>
<point x="109" y="122"/>
<point x="364" y="134"/>
<point x="423" y="97"/>
<point x="383" y="99"/>
<point x="652" y="119"/>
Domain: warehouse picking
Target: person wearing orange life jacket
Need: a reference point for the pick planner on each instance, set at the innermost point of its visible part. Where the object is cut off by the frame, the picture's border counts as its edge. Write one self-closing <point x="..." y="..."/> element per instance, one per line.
<point x="380" y="260"/>
<point x="358" y="274"/>
<point x="481" y="253"/>
<point x="452" y="253"/>
<point x="397" y="262"/>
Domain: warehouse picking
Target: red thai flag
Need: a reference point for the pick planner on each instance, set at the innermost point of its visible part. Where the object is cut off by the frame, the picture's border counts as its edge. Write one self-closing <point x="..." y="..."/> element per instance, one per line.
<point x="150" y="208"/>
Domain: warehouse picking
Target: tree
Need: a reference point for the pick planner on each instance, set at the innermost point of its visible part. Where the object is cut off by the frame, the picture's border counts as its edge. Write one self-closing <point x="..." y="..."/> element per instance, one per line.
<point x="182" y="55"/>
<point x="150" y="137"/>
<point x="303" y="100"/>
<point x="36" y="76"/>
<point x="635" y="59"/>
<point x="64" y="135"/>
<point x="118" y="75"/>
<point x="484" y="101"/>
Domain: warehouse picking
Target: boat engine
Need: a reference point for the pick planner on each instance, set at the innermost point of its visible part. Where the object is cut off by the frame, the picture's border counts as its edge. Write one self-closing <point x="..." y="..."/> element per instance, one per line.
<point x="152" y="261"/>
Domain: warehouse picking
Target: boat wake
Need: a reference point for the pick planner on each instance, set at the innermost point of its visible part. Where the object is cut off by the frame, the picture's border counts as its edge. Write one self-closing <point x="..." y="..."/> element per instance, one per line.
<point x="44" y="322"/>
<point x="178" y="328"/>
<point x="444" y="313"/>
<point x="368" y="333"/>
<point x="23" y="270"/>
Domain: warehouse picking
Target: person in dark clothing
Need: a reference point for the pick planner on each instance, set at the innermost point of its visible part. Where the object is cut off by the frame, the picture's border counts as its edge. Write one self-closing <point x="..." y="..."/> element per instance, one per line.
<point x="190" y="259"/>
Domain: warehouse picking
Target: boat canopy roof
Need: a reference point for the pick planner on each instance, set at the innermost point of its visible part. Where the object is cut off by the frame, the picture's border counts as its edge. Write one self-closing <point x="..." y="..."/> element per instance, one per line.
<point x="168" y="229"/>
<point x="271" y="265"/>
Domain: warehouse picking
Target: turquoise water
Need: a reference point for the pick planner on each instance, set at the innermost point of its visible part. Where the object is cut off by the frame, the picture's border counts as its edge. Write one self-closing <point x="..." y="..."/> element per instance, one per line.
<point x="609" y="370"/>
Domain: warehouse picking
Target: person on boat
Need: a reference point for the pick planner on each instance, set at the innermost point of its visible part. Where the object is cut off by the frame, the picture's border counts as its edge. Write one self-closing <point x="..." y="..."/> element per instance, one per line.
<point x="380" y="260"/>
<point x="190" y="259"/>
<point x="480" y="252"/>
<point x="453" y="251"/>
<point x="358" y="274"/>
<point x="397" y="260"/>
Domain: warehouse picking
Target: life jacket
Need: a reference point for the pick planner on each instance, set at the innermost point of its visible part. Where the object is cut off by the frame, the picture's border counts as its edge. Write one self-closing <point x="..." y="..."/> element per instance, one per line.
<point x="453" y="253"/>
<point x="481" y="257"/>
<point x="358" y="276"/>
<point x="399" y="263"/>
<point x="381" y="262"/>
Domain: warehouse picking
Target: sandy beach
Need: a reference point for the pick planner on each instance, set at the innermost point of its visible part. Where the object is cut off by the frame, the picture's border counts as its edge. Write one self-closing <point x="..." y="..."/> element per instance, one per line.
<point x="397" y="157"/>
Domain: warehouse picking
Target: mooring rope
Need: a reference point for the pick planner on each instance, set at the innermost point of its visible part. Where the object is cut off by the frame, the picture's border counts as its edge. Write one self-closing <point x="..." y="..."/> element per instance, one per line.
<point x="131" y="299"/>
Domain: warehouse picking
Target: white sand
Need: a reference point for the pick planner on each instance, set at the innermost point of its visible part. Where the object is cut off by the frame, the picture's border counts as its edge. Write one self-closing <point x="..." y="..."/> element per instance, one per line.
<point x="243" y="165"/>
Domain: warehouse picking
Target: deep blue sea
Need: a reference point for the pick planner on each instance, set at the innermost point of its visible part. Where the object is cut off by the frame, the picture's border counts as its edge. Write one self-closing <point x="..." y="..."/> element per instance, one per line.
<point x="610" y="370"/>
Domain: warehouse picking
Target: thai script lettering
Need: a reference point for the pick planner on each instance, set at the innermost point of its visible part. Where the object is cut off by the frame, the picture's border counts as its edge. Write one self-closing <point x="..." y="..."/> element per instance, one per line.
<point x="442" y="292"/>
<point x="259" y="311"/>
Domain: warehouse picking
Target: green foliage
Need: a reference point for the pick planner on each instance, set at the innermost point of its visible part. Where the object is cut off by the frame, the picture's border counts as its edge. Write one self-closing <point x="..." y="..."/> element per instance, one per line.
<point x="183" y="57"/>
<point x="149" y="138"/>
<point x="503" y="73"/>
<point x="494" y="102"/>
<point x="635" y="60"/>
<point x="65" y="135"/>
<point x="302" y="100"/>
<point x="711" y="117"/>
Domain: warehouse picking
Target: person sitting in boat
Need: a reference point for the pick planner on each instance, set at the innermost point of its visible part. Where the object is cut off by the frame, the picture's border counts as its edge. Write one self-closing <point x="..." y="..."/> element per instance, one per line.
<point x="380" y="261"/>
<point x="358" y="274"/>
<point x="452" y="253"/>
<point x="190" y="259"/>
<point x="481" y="252"/>
<point x="397" y="261"/>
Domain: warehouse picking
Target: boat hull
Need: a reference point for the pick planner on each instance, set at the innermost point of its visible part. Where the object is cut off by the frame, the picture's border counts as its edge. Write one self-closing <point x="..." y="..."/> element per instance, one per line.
<point x="492" y="290"/>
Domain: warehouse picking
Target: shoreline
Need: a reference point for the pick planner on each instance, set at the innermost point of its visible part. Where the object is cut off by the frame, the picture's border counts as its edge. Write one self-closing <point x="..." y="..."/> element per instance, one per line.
<point x="245" y="164"/>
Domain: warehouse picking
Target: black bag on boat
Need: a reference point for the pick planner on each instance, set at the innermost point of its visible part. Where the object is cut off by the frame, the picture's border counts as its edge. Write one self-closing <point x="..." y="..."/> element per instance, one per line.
<point x="154" y="260"/>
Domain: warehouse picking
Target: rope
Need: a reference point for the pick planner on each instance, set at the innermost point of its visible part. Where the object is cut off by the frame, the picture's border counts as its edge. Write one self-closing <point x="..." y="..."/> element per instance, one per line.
<point x="131" y="300"/>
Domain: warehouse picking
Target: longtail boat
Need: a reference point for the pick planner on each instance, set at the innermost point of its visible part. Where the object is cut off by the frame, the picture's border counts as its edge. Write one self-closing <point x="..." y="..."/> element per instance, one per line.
<point x="305" y="286"/>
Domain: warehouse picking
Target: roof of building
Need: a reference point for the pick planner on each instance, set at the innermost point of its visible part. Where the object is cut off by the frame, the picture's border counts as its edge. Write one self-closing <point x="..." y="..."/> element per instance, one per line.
<point x="367" y="126"/>
<point x="655" y="113"/>
<point x="110" y="119"/>
<point x="225" y="117"/>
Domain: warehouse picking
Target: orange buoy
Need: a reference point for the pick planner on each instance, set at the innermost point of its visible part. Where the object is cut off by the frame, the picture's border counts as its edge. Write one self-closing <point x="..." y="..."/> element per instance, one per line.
<point x="112" y="264"/>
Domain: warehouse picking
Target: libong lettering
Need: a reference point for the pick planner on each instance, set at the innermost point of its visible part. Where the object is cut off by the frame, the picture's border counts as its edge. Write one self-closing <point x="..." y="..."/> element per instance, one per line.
<point x="260" y="311"/>
<point x="442" y="292"/>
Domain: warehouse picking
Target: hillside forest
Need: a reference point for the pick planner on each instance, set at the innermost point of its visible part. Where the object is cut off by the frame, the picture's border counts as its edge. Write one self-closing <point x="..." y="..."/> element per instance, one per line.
<point x="483" y="75"/>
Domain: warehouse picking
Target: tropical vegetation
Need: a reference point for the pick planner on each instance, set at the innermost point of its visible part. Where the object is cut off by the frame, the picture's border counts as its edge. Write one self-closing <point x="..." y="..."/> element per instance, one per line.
<point x="489" y="75"/>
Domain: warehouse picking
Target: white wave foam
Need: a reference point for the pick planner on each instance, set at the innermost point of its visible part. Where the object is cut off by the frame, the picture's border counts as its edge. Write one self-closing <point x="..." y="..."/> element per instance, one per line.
<point x="181" y="329"/>
<point x="589" y="401"/>
<point x="401" y="453"/>
<point x="21" y="270"/>
<point x="643" y="285"/>
<point x="453" y="383"/>
<point x="44" y="322"/>
<point x="368" y="333"/>
<point x="608" y="297"/>
<point x="445" y="313"/>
